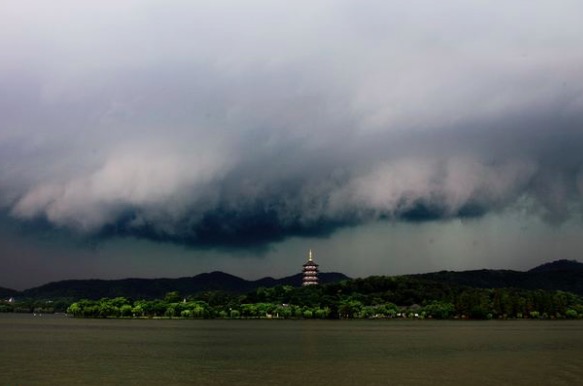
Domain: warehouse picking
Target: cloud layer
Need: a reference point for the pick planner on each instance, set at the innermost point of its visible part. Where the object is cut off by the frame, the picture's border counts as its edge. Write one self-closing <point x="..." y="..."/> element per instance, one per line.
<point x="229" y="124"/>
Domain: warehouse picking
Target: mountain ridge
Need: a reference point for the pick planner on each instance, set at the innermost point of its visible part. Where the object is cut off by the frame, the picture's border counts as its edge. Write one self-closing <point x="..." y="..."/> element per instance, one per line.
<point x="7" y="293"/>
<point x="156" y="288"/>
<point x="558" y="265"/>
<point x="565" y="275"/>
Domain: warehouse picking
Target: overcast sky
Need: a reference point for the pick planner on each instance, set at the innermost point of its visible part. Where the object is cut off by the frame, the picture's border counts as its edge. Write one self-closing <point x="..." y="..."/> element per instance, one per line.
<point x="149" y="138"/>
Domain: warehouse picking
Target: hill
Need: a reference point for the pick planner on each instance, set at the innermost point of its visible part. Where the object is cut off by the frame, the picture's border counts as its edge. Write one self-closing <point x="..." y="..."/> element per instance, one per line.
<point x="157" y="288"/>
<point x="563" y="275"/>
<point x="559" y="265"/>
<point x="6" y="293"/>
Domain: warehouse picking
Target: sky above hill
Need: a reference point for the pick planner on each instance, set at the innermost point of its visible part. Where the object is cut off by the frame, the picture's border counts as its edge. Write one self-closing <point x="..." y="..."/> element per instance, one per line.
<point x="147" y="138"/>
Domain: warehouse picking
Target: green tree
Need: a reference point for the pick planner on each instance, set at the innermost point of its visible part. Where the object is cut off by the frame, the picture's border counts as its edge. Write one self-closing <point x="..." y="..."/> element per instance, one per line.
<point x="439" y="310"/>
<point x="126" y="310"/>
<point x="137" y="310"/>
<point x="571" y="313"/>
<point x="349" y="308"/>
<point x="74" y="309"/>
<point x="172" y="297"/>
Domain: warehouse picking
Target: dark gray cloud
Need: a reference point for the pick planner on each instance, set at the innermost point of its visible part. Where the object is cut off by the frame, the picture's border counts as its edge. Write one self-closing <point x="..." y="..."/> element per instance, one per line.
<point x="221" y="125"/>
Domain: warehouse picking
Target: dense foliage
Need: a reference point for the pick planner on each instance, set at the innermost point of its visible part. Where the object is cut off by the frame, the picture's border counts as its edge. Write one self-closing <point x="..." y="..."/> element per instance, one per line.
<point x="373" y="297"/>
<point x="35" y="306"/>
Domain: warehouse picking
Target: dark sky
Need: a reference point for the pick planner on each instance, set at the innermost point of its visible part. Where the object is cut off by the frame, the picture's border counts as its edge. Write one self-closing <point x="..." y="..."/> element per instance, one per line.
<point x="149" y="139"/>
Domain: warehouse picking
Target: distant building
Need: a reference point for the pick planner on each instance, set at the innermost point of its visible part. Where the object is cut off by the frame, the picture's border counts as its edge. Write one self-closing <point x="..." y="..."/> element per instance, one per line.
<point x="310" y="271"/>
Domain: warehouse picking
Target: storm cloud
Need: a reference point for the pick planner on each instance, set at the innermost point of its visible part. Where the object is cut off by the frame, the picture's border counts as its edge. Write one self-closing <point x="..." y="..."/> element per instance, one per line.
<point x="237" y="124"/>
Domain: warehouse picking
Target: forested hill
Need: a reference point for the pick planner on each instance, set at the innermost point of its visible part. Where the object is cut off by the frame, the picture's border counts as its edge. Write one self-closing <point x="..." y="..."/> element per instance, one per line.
<point x="564" y="275"/>
<point x="559" y="265"/>
<point x="157" y="288"/>
<point x="6" y="293"/>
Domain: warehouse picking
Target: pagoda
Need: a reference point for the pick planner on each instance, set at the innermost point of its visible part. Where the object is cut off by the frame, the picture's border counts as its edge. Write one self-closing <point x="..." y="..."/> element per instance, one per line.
<point x="310" y="271"/>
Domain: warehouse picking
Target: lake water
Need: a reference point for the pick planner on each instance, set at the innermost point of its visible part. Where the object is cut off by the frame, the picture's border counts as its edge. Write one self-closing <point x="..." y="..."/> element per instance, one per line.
<point x="53" y="349"/>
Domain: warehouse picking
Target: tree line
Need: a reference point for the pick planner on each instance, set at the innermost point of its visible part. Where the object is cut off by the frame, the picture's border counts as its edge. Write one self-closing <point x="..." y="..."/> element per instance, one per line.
<point x="372" y="297"/>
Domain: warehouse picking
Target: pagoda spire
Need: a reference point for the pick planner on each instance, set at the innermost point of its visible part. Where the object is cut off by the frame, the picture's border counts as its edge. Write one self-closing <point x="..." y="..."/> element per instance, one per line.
<point x="310" y="271"/>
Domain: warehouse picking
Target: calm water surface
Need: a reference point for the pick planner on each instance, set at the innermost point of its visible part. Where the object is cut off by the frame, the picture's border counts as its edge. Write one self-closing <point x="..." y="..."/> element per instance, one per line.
<point x="51" y="350"/>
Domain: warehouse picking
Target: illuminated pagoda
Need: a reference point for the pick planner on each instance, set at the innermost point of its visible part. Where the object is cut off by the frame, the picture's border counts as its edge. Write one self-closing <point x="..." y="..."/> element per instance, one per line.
<point x="310" y="271"/>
